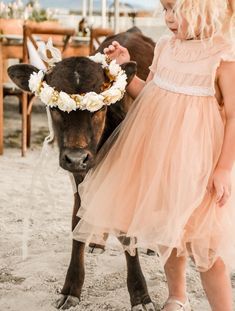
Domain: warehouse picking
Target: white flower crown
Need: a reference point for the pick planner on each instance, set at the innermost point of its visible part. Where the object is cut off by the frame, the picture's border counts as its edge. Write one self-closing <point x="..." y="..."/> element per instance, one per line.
<point x="91" y="100"/>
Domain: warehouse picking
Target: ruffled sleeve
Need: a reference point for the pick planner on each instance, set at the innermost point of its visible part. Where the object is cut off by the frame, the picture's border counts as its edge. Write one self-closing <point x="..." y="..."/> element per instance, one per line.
<point x="158" y="48"/>
<point x="227" y="55"/>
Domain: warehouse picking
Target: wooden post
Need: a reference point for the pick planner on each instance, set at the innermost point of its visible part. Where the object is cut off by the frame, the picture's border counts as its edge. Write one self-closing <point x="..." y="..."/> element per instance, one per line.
<point x="1" y="99"/>
<point x="24" y="97"/>
<point x="24" y="124"/>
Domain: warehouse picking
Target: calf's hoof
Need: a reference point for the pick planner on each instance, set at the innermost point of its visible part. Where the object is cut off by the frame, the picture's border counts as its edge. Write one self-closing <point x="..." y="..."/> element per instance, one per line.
<point x="67" y="301"/>
<point x="145" y="307"/>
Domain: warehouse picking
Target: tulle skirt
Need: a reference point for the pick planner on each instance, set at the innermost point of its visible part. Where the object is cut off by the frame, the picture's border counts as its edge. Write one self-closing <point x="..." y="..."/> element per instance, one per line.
<point x="149" y="186"/>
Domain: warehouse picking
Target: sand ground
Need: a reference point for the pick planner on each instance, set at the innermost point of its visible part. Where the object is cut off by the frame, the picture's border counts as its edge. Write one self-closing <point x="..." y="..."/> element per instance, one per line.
<point x="33" y="284"/>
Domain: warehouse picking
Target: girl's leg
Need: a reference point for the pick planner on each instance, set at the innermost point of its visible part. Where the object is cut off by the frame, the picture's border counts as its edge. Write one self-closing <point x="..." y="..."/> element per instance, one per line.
<point x="176" y="278"/>
<point x="217" y="285"/>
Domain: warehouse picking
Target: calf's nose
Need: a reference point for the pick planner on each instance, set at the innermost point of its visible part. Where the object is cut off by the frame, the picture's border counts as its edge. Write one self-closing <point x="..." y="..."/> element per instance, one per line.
<point x="80" y="162"/>
<point x="75" y="161"/>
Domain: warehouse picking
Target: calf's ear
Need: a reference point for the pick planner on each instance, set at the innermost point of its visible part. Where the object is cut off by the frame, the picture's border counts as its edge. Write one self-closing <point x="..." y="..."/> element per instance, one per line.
<point x="20" y="75"/>
<point x="131" y="69"/>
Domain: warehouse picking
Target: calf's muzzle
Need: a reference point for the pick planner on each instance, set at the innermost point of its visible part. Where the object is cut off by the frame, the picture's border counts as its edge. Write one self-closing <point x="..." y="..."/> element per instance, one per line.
<point x="76" y="160"/>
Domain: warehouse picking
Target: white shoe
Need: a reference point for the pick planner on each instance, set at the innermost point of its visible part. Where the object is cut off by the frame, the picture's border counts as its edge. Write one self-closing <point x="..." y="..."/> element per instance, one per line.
<point x="176" y="305"/>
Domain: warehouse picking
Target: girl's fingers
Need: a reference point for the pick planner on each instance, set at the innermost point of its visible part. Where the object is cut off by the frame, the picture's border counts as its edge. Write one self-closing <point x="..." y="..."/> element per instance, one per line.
<point x="110" y="50"/>
<point x="209" y="187"/>
<point x="224" y="198"/>
<point x="219" y="192"/>
<point x="116" y="51"/>
<point x="114" y="47"/>
<point x="111" y="47"/>
<point x="221" y="189"/>
<point x="120" y="47"/>
<point x="116" y="44"/>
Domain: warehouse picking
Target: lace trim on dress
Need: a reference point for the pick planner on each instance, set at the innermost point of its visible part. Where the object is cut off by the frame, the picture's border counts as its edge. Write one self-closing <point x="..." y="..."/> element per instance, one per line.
<point x="187" y="90"/>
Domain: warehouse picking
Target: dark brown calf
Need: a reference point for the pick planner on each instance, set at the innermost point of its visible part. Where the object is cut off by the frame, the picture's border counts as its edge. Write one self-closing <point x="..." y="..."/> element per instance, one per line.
<point x="80" y="135"/>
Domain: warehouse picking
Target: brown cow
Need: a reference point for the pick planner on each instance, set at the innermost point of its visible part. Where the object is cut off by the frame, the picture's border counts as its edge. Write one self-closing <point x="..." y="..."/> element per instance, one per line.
<point x="80" y="134"/>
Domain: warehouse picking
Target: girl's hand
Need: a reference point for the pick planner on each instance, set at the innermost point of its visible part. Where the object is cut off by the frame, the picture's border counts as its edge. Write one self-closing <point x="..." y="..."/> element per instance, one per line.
<point x="118" y="52"/>
<point x="220" y="183"/>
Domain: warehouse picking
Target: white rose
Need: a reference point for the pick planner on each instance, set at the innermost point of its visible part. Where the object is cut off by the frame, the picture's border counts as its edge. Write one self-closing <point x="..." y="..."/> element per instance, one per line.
<point x="54" y="53"/>
<point x="114" y="68"/>
<point x="99" y="58"/>
<point x="46" y="95"/>
<point x="92" y="101"/>
<point x="112" y="96"/>
<point x="121" y="82"/>
<point x="66" y="103"/>
<point x="35" y="81"/>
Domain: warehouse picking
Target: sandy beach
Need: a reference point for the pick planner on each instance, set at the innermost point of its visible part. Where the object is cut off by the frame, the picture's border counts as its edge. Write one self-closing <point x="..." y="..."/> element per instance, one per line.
<point x="44" y="196"/>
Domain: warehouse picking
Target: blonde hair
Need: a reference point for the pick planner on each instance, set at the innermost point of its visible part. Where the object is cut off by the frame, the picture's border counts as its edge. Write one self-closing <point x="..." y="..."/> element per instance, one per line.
<point x="205" y="17"/>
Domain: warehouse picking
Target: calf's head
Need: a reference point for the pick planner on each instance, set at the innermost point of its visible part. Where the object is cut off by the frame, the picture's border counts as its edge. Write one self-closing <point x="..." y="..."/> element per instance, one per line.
<point x="78" y="132"/>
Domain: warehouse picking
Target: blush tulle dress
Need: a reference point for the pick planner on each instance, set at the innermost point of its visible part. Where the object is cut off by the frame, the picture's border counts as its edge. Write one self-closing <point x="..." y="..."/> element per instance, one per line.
<point x="149" y="186"/>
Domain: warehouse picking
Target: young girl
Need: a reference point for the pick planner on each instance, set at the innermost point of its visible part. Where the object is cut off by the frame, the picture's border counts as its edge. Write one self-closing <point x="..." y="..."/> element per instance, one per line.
<point x="165" y="182"/>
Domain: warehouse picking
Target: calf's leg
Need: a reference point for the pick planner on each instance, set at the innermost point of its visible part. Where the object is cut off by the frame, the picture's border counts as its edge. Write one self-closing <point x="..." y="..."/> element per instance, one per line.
<point x="71" y="291"/>
<point x="136" y="284"/>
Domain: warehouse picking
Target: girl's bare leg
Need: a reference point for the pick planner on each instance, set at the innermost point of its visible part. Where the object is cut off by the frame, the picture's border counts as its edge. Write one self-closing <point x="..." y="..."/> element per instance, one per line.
<point x="217" y="285"/>
<point x="176" y="277"/>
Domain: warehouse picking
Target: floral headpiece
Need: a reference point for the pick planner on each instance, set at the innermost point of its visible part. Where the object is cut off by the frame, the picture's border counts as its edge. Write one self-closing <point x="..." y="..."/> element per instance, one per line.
<point x="90" y="101"/>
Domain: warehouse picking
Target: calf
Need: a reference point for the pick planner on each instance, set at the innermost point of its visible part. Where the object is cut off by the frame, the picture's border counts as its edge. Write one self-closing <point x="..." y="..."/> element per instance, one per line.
<point x="81" y="133"/>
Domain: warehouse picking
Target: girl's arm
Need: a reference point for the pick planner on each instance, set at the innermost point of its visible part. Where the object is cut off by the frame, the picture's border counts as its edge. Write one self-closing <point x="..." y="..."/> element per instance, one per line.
<point x="121" y="54"/>
<point x="226" y="80"/>
<point x="136" y="85"/>
<point x="221" y="179"/>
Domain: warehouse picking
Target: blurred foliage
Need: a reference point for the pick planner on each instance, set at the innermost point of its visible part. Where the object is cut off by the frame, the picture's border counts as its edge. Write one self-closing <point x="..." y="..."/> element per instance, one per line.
<point x="32" y="11"/>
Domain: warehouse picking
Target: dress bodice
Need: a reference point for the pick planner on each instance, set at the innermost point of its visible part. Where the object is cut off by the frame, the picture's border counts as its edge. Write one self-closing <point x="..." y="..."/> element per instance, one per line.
<point x="189" y="66"/>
